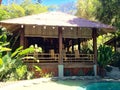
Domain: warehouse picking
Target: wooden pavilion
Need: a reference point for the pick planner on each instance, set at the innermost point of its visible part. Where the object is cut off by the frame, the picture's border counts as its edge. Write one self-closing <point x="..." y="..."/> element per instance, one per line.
<point x="56" y="32"/>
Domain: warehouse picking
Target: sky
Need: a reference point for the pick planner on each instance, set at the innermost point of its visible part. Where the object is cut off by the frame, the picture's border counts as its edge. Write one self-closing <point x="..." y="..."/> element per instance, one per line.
<point x="56" y="2"/>
<point x="47" y="2"/>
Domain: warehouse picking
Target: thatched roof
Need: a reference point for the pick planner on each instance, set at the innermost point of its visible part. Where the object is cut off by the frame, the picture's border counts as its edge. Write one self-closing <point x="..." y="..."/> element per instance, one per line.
<point x="55" y="19"/>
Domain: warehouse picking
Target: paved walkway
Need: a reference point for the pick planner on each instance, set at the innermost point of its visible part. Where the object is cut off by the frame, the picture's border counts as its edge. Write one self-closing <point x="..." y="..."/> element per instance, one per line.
<point x="37" y="84"/>
<point x="115" y="73"/>
<point x="75" y="83"/>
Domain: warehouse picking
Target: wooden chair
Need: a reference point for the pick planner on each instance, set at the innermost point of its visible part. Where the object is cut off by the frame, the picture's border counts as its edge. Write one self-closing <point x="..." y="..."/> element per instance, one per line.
<point x="77" y="55"/>
<point x="52" y="54"/>
<point x="64" y="55"/>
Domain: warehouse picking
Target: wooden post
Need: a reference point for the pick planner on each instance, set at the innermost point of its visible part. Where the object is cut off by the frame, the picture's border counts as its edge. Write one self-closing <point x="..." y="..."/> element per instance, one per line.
<point x="94" y="34"/>
<point x="60" y="44"/>
<point x="78" y="40"/>
<point x="95" y="45"/>
<point x="78" y="44"/>
<point x="22" y="39"/>
<point x="25" y="42"/>
<point x="60" y="65"/>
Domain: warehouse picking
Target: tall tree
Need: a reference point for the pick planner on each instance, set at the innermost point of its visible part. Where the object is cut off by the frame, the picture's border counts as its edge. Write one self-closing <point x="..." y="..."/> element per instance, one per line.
<point x="108" y="11"/>
<point x="86" y="8"/>
<point x="16" y="10"/>
<point x="33" y="8"/>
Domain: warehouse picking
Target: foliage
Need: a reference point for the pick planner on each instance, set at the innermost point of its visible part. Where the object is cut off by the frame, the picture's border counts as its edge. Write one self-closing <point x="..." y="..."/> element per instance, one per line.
<point x="17" y="10"/>
<point x="86" y="48"/>
<point x="86" y="8"/>
<point x="3" y="14"/>
<point x="104" y="56"/>
<point x="41" y="73"/>
<point x="32" y="8"/>
<point x="11" y="65"/>
<point x="108" y="11"/>
<point x="116" y="59"/>
<point x="12" y="11"/>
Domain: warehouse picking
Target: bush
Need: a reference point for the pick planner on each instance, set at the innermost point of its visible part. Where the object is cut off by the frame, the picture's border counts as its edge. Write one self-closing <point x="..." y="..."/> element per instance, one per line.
<point x="11" y="65"/>
<point x="116" y="59"/>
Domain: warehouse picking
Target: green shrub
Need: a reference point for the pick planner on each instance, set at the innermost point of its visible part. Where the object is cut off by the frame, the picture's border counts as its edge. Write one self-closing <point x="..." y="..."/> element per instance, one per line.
<point x="11" y="65"/>
<point x="116" y="59"/>
<point x="104" y="56"/>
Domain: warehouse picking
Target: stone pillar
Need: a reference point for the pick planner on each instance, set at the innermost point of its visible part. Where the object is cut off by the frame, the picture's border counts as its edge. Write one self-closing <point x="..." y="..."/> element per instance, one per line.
<point x="60" y="71"/>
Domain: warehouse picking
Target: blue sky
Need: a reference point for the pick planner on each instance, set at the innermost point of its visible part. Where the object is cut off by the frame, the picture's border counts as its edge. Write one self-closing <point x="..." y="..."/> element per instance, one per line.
<point x="47" y="2"/>
<point x="56" y="2"/>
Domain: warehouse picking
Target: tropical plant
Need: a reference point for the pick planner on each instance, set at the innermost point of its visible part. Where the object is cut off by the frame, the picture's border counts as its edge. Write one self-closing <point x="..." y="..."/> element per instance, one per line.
<point x="11" y="64"/>
<point x="104" y="55"/>
<point x="104" y="58"/>
<point x="116" y="60"/>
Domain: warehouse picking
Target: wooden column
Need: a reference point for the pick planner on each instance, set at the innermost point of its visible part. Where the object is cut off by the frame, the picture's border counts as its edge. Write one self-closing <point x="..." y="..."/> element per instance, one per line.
<point x="22" y="38"/>
<point x="94" y="33"/>
<point x="60" y="45"/>
<point x="95" y="44"/>
<point x="25" y="42"/>
<point x="78" y="44"/>
<point x="78" y="40"/>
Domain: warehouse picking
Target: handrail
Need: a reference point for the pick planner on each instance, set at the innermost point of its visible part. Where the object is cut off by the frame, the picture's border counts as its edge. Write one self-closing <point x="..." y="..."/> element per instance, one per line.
<point x="47" y="57"/>
<point x="80" y="57"/>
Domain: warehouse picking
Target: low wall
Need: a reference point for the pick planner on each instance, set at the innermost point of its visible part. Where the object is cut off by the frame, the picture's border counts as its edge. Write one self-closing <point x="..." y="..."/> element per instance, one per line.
<point x="52" y="68"/>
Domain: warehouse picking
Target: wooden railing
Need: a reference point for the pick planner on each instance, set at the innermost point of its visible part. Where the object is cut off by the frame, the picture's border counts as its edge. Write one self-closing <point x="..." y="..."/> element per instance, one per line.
<point x="51" y="58"/>
<point x="78" y="58"/>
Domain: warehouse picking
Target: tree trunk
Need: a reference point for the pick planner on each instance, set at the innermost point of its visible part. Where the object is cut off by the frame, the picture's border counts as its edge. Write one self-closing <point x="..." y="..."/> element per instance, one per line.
<point x="102" y="72"/>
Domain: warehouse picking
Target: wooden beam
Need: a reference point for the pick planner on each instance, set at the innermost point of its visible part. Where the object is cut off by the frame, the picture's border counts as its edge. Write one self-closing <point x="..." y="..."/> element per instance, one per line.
<point x="60" y="45"/>
<point x="94" y="34"/>
<point x="22" y="38"/>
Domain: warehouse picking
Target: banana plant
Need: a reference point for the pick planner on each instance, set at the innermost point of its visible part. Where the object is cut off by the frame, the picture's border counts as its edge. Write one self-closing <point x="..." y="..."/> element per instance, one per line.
<point x="11" y="65"/>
